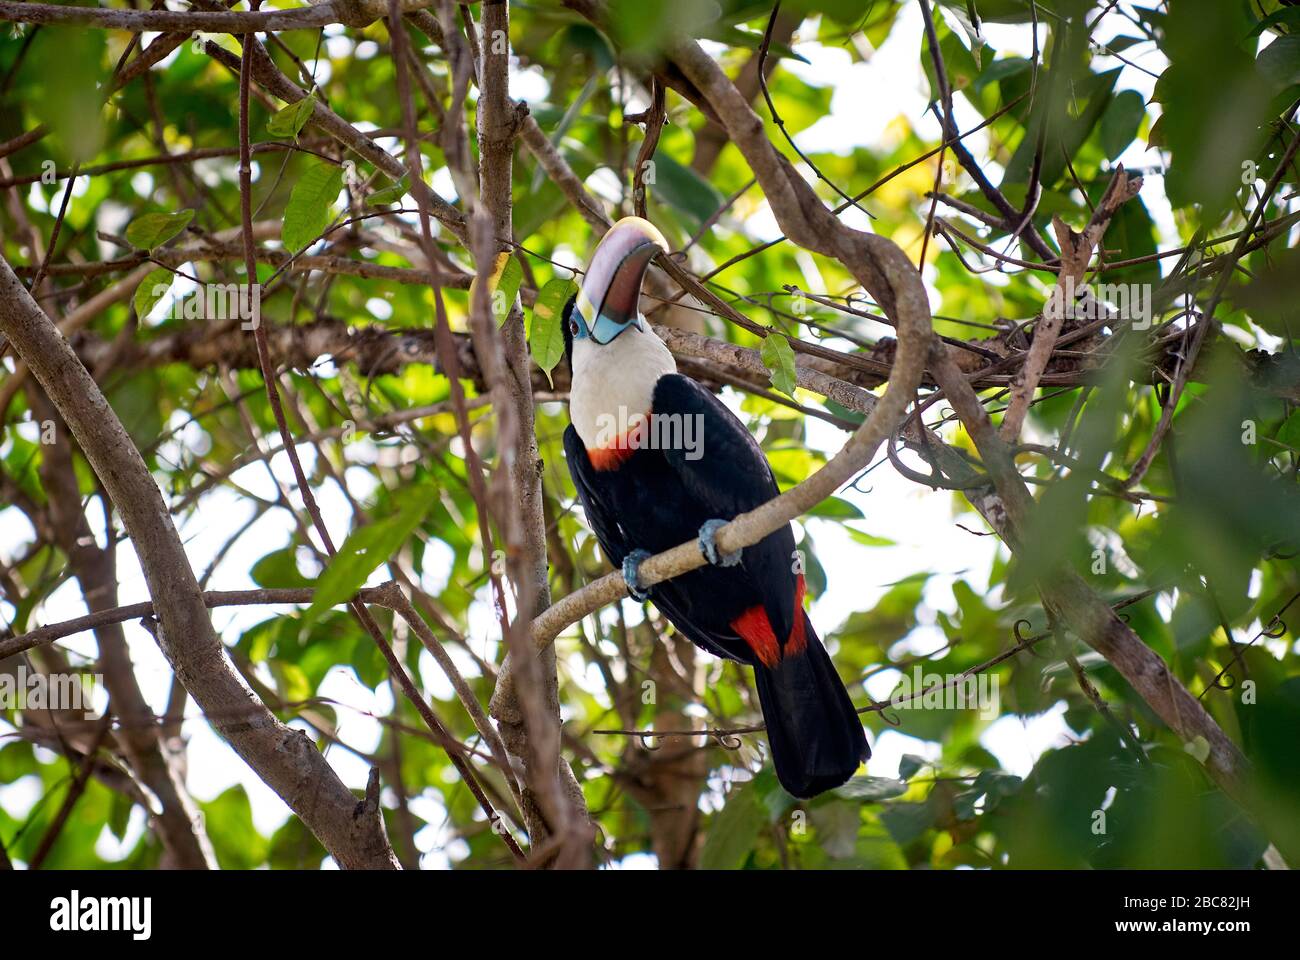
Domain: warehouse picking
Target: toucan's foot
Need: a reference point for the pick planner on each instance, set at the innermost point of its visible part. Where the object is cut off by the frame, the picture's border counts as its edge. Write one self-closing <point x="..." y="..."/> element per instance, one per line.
<point x="631" y="564"/>
<point x="709" y="545"/>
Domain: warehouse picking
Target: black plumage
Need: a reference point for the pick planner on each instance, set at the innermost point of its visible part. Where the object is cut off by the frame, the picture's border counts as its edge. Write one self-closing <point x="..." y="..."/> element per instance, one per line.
<point x="658" y="498"/>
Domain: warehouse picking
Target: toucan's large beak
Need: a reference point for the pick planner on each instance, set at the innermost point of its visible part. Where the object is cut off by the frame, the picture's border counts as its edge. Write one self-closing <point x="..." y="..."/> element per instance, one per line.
<point x="609" y="301"/>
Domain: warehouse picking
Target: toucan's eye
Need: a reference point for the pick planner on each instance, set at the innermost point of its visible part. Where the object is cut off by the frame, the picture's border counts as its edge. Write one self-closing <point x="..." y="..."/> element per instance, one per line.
<point x="573" y="327"/>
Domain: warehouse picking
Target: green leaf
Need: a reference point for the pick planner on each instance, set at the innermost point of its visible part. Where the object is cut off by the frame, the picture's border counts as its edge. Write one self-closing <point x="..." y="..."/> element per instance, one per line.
<point x="138" y="404"/>
<point x="1199" y="748"/>
<point x="837" y="828"/>
<point x="995" y="786"/>
<point x="1215" y="98"/>
<point x="1120" y="44"/>
<point x="311" y="205"/>
<point x="293" y="847"/>
<point x="836" y="508"/>
<point x="844" y="12"/>
<point x="683" y="189"/>
<point x="778" y="357"/>
<point x="1120" y="122"/>
<point x="1289" y="433"/>
<point x="907" y="821"/>
<point x="366" y="548"/>
<point x="119" y="814"/>
<point x="503" y="285"/>
<point x="869" y="540"/>
<point x="235" y="840"/>
<point x="152" y="289"/>
<point x="871" y="789"/>
<point x="279" y="569"/>
<point x="545" y="333"/>
<point x="289" y="120"/>
<point x="960" y="64"/>
<point x="1132" y="234"/>
<point x="72" y="100"/>
<point x="733" y="36"/>
<point x="1066" y="132"/>
<point x="154" y="229"/>
<point x="1289" y="16"/>
<point x="1000" y="69"/>
<point x="17" y="760"/>
<point x="570" y="114"/>
<point x="506" y="289"/>
<point x="963" y="805"/>
<point x="908" y="765"/>
<point x="1280" y="62"/>
<point x="734" y="831"/>
<point x="392" y="193"/>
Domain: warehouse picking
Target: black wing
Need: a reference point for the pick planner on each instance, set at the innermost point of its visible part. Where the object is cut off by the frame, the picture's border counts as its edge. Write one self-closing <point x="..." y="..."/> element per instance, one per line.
<point x="599" y="515"/>
<point x="613" y="540"/>
<point x="729" y="475"/>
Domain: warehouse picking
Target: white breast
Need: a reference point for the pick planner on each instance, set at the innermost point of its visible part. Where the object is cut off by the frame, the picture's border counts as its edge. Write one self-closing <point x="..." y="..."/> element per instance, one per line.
<point x="615" y="381"/>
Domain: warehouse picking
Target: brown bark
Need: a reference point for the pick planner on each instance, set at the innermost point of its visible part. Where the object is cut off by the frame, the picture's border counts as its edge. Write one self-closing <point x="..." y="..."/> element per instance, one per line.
<point x="285" y="759"/>
<point x="158" y="763"/>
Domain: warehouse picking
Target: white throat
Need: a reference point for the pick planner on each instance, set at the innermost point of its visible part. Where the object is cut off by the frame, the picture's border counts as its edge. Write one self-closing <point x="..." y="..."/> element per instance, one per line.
<point x="616" y="380"/>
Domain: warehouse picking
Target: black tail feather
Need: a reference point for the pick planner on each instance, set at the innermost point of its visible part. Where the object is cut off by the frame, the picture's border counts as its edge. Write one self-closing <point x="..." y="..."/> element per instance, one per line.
<point x="817" y="741"/>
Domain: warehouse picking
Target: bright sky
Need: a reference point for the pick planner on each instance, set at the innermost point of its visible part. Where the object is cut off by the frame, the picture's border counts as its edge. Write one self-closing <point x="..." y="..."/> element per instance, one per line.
<point x="868" y="97"/>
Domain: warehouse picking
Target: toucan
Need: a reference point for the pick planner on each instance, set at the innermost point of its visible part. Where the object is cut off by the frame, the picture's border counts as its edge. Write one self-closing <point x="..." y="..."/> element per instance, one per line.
<point x="658" y="460"/>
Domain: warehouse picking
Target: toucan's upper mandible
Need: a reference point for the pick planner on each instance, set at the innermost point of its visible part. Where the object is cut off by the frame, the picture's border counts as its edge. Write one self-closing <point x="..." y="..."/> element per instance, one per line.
<point x="609" y="301"/>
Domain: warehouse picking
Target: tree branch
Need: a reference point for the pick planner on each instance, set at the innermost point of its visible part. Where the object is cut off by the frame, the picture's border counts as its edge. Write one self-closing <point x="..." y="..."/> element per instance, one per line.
<point x="353" y="13"/>
<point x="1065" y="594"/>
<point x="1076" y="251"/>
<point x="175" y="817"/>
<point x="286" y="760"/>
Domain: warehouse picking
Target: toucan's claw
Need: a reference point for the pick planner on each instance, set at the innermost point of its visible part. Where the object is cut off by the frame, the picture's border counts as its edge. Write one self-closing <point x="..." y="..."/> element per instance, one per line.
<point x="709" y="545"/>
<point x="631" y="564"/>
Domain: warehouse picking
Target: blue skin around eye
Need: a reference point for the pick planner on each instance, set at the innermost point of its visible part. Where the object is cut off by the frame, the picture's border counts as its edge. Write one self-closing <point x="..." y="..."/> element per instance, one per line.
<point x="576" y="316"/>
